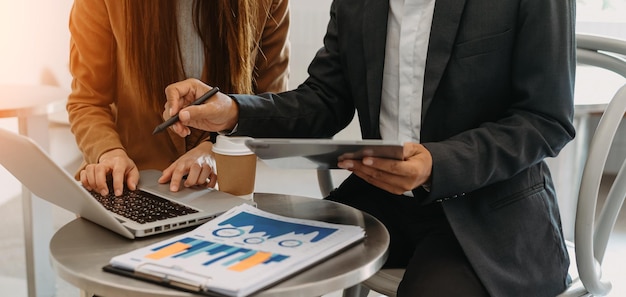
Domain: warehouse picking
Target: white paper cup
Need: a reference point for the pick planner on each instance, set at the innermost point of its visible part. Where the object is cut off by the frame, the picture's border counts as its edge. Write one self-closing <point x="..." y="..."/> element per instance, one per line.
<point x="236" y="166"/>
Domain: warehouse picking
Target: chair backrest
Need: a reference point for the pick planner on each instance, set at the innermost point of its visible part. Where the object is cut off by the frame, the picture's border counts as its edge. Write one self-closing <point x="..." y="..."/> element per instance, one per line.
<point x="603" y="52"/>
<point x="591" y="233"/>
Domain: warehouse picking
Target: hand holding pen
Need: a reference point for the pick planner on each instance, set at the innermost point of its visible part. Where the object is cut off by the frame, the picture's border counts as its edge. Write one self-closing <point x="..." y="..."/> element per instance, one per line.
<point x="219" y="112"/>
<point x="176" y="118"/>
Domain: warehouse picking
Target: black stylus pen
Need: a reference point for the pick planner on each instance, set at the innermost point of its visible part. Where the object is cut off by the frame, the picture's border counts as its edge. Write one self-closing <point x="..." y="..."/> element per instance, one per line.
<point x="174" y="119"/>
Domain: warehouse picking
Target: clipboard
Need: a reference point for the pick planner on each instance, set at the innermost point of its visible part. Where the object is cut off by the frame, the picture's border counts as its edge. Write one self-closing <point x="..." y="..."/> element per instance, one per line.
<point x="305" y="153"/>
<point x="166" y="282"/>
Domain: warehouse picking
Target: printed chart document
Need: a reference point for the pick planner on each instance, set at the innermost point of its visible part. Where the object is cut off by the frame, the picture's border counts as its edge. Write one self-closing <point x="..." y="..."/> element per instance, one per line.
<point x="238" y="253"/>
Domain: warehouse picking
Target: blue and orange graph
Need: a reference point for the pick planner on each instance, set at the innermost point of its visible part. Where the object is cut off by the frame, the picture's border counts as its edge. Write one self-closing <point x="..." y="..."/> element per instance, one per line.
<point x="188" y="247"/>
<point x="248" y="235"/>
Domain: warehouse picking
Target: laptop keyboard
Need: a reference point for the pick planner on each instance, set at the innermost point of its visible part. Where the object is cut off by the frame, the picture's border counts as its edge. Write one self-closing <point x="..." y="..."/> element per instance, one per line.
<point x="142" y="207"/>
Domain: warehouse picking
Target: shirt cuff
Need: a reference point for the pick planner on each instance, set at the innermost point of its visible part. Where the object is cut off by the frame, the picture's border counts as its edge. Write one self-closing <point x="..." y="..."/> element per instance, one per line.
<point x="227" y="132"/>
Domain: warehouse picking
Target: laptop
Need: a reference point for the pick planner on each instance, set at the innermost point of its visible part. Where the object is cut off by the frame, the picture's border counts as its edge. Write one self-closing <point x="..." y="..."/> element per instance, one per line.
<point x="311" y="153"/>
<point x="42" y="176"/>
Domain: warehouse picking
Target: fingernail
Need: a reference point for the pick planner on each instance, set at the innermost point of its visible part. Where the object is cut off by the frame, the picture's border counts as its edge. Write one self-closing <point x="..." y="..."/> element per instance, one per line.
<point x="184" y="115"/>
<point x="368" y="161"/>
<point x="104" y="192"/>
<point x="118" y="192"/>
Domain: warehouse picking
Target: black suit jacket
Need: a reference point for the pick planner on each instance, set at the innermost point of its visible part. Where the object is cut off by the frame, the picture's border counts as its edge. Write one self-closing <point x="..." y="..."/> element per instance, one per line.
<point x="498" y="99"/>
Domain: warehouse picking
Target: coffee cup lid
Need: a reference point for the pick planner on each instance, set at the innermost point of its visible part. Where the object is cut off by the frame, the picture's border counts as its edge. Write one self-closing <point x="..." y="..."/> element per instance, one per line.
<point x="231" y="145"/>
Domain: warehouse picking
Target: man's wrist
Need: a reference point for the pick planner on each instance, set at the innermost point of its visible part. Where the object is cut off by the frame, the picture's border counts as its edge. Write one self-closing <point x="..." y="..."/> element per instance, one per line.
<point x="229" y="132"/>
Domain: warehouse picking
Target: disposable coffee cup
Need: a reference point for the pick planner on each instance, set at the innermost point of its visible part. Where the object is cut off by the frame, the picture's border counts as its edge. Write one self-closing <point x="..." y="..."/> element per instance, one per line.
<point x="236" y="166"/>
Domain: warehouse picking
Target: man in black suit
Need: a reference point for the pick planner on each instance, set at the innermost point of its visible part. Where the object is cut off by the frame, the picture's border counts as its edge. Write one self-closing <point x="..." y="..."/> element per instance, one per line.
<point x="480" y="90"/>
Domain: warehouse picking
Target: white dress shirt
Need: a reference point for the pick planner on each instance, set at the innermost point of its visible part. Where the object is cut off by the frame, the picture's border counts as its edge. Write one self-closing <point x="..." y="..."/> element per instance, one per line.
<point x="408" y="32"/>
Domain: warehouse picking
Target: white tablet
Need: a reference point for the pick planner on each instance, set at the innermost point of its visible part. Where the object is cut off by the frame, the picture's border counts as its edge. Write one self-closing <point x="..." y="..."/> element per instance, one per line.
<point x="312" y="153"/>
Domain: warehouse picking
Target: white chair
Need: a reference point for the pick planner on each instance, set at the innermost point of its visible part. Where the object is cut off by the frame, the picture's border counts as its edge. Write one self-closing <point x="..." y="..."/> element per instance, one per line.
<point x="591" y="233"/>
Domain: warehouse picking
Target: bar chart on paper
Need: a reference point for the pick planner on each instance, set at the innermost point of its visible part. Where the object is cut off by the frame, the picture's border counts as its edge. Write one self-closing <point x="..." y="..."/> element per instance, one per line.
<point x="208" y="253"/>
<point x="253" y="235"/>
<point x="244" y="249"/>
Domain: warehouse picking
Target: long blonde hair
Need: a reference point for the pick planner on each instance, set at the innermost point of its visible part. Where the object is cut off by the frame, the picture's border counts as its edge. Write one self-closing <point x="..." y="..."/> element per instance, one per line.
<point x="227" y="30"/>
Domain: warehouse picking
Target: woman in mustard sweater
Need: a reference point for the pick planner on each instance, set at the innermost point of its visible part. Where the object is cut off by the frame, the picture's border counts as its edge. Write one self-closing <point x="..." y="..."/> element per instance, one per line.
<point x="123" y="53"/>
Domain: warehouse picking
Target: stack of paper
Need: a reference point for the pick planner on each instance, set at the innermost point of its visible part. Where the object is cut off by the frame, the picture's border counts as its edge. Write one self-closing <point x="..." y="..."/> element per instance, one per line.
<point x="238" y="253"/>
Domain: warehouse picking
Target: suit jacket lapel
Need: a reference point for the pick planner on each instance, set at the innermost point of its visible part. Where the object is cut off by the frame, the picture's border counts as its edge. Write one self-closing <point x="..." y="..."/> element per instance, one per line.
<point x="375" y="14"/>
<point x="446" y="19"/>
